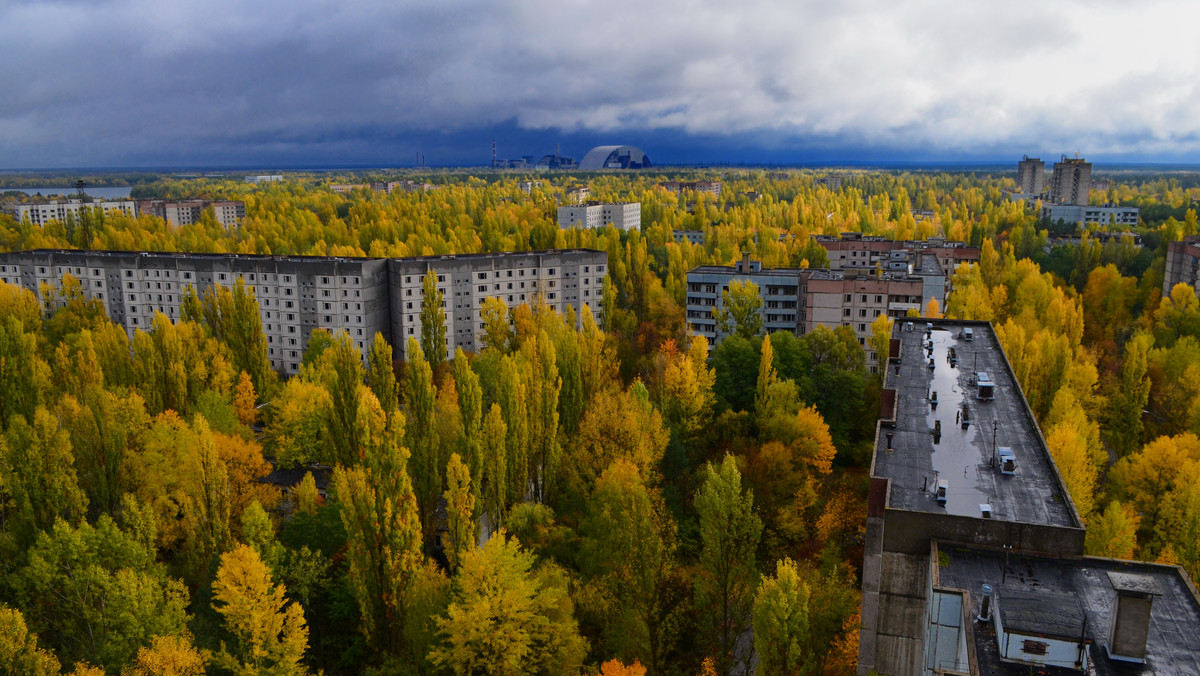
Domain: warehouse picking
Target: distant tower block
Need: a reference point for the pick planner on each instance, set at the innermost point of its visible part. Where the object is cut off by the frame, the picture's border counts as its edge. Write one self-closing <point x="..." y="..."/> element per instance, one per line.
<point x="1031" y="175"/>
<point x="1071" y="182"/>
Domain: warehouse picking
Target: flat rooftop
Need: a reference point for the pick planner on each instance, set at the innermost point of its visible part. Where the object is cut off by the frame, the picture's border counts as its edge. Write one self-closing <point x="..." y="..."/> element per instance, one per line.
<point x="285" y="257"/>
<point x="732" y="270"/>
<point x="1036" y="587"/>
<point x="929" y="265"/>
<point x="963" y="456"/>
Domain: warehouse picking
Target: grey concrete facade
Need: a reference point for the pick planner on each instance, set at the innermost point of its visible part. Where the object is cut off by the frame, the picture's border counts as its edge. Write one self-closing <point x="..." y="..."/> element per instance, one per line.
<point x="1031" y="175"/>
<point x="299" y="294"/>
<point x="797" y="300"/>
<point x="558" y="278"/>
<point x="1071" y="181"/>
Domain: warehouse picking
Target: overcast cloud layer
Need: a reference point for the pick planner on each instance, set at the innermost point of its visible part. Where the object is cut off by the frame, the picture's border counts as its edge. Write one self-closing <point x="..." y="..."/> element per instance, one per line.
<point x="222" y="82"/>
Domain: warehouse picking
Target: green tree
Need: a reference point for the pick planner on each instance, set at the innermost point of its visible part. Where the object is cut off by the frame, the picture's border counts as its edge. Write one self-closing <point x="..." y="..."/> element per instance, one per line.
<point x="544" y="387"/>
<point x="420" y="436"/>
<point x="570" y="368"/>
<point x="268" y="638"/>
<point x="23" y="374"/>
<point x="734" y="362"/>
<point x="95" y="593"/>
<point x="507" y="619"/>
<point x="207" y="504"/>
<point x="433" y="321"/>
<point x="381" y="377"/>
<point x="632" y="546"/>
<point x="781" y="622"/>
<point x="1129" y="399"/>
<point x="739" y="312"/>
<point x="495" y="459"/>
<point x="233" y="317"/>
<point x="512" y="398"/>
<point x="460" y="511"/>
<point x="470" y="409"/>
<point x="343" y="376"/>
<point x="766" y="378"/>
<point x="383" y="543"/>
<point x="729" y="533"/>
<point x="37" y="472"/>
<point x="1113" y="532"/>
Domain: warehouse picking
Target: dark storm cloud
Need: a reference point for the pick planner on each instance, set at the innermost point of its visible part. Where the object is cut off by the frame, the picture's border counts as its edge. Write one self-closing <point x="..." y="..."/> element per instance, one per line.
<point x="126" y="82"/>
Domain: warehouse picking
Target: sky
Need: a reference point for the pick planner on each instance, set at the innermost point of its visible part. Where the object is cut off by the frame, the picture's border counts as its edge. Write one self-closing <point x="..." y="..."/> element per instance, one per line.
<point x="270" y="83"/>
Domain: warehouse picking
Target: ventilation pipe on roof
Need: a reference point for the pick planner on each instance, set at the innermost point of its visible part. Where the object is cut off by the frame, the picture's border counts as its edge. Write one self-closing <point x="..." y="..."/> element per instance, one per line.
<point x="985" y="606"/>
<point x="1129" y="627"/>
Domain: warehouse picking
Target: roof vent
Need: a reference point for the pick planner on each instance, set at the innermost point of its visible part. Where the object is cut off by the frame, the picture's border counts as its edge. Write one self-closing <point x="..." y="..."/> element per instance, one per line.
<point x="1130" y="624"/>
<point x="985" y="606"/>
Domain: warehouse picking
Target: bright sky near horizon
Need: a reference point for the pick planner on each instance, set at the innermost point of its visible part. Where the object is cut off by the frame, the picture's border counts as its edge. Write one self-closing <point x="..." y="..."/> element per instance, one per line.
<point x="153" y="82"/>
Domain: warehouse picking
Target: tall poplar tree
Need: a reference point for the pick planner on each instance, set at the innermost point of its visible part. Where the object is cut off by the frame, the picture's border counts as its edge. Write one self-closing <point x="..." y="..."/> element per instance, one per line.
<point x="729" y="533"/>
<point x="512" y="399"/>
<point x="433" y="321"/>
<point x="495" y="460"/>
<point x="381" y="377"/>
<point x="470" y="409"/>
<point x="420" y="436"/>
<point x="460" y="511"/>
<point x="343" y="376"/>
<point x="383" y="542"/>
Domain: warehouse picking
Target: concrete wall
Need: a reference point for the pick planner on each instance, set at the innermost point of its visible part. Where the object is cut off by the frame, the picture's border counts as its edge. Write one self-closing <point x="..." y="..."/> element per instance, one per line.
<point x="910" y="533"/>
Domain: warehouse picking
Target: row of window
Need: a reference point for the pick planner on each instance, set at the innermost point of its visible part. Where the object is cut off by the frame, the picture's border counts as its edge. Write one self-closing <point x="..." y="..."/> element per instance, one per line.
<point x="849" y="298"/>
<point x="861" y="313"/>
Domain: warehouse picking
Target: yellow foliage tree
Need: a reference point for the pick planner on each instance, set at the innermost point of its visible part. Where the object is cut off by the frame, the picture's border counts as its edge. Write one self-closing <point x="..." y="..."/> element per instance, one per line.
<point x="1070" y="452"/>
<point x="168" y="656"/>
<point x="617" y="668"/>
<point x="269" y="638"/>
<point x="19" y="651"/>
<point x="243" y="400"/>
<point x="932" y="309"/>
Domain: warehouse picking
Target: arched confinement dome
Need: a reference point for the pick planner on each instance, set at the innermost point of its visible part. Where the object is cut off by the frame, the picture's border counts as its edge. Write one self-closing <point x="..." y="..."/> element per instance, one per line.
<point x="614" y="157"/>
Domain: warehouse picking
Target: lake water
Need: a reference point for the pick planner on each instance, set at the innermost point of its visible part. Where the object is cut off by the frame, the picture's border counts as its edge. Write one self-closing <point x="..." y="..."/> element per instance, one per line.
<point x="105" y="193"/>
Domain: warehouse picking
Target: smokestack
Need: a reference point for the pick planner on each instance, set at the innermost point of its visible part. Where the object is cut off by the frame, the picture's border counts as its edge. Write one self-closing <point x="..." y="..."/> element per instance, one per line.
<point x="493" y="152"/>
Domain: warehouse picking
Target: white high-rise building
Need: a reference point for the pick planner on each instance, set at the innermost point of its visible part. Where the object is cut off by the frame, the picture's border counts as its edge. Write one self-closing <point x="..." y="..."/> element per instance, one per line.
<point x="622" y="215"/>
